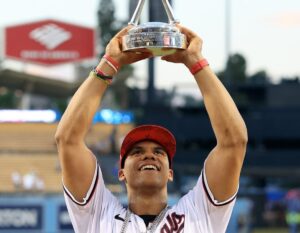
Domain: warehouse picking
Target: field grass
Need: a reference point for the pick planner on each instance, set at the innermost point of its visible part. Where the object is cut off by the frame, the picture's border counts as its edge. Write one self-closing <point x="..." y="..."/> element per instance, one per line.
<point x="271" y="230"/>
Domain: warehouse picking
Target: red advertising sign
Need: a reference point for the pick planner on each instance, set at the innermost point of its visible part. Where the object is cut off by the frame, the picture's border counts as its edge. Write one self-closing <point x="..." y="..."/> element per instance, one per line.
<point x="49" y="42"/>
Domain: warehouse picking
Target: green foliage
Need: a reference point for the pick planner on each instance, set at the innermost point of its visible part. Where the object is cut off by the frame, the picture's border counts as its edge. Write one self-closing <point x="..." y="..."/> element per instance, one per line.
<point x="7" y="99"/>
<point x="239" y="84"/>
<point x="260" y="77"/>
<point x="60" y="104"/>
<point x="108" y="27"/>
<point x="236" y="69"/>
<point x="235" y="72"/>
<point x="107" y="23"/>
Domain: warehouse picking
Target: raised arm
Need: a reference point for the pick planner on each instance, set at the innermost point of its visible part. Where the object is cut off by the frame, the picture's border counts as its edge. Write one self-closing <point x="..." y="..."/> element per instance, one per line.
<point x="224" y="163"/>
<point x="77" y="161"/>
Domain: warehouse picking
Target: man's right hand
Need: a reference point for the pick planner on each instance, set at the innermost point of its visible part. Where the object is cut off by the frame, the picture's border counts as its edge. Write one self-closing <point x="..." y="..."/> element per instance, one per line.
<point x="114" y="50"/>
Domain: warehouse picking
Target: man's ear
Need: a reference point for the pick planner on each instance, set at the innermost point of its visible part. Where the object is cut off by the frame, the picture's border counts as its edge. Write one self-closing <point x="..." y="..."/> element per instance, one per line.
<point x="121" y="175"/>
<point x="171" y="175"/>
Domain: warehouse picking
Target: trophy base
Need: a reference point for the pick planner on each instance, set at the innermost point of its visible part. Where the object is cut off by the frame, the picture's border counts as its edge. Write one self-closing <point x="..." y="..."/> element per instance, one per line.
<point x="159" y="38"/>
<point x="156" y="51"/>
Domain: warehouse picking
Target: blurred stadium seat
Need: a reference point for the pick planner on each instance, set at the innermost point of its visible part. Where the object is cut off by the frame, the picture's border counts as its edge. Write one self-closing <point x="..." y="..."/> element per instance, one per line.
<point x="45" y="165"/>
<point x="30" y="147"/>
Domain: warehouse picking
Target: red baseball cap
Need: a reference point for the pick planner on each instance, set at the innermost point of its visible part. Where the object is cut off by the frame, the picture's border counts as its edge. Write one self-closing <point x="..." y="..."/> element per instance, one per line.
<point x="155" y="133"/>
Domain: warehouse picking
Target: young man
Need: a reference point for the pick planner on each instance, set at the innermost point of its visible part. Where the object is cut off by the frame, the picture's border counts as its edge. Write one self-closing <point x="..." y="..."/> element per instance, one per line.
<point x="146" y="157"/>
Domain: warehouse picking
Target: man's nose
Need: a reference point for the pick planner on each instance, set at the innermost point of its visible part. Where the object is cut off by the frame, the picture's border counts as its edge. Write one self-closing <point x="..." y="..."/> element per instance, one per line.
<point x="149" y="155"/>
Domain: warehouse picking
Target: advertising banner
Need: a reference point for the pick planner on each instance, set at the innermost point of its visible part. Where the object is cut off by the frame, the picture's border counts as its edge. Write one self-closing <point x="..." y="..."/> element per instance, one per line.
<point x="21" y="217"/>
<point x="64" y="221"/>
<point x="49" y="42"/>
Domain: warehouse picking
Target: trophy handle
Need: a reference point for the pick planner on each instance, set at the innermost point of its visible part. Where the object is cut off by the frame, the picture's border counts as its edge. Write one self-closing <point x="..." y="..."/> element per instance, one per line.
<point x="169" y="12"/>
<point x="137" y="13"/>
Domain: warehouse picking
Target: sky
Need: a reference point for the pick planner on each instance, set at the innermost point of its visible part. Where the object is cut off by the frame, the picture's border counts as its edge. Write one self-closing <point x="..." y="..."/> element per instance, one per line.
<point x="265" y="32"/>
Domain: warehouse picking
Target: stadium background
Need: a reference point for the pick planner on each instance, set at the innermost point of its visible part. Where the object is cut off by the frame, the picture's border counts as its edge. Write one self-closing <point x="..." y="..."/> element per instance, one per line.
<point x="27" y="146"/>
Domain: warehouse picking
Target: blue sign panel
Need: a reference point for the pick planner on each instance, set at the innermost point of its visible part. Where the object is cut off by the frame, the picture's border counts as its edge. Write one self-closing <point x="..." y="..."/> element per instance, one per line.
<point x="64" y="221"/>
<point x="113" y="117"/>
<point x="27" y="217"/>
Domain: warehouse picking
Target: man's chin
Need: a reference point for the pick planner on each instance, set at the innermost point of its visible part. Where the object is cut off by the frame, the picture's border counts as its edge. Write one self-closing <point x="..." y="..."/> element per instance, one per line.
<point x="150" y="184"/>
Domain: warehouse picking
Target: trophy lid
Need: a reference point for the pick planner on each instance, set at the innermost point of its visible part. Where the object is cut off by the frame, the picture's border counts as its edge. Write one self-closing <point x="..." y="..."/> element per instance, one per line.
<point x="154" y="27"/>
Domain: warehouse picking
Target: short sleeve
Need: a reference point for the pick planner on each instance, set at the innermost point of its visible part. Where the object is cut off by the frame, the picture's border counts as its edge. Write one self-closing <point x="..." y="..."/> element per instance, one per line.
<point x="86" y="216"/>
<point x="202" y="212"/>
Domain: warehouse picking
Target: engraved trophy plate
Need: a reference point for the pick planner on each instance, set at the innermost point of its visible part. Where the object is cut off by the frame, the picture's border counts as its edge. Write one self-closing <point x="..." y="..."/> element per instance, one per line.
<point x="157" y="37"/>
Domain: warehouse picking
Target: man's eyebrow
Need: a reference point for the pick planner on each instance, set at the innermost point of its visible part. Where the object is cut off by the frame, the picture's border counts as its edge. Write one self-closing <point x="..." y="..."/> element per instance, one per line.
<point x="135" y="148"/>
<point x="160" y="148"/>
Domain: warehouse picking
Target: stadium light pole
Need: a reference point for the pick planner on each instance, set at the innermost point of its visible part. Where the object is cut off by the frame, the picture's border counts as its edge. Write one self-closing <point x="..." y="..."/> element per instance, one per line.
<point x="156" y="13"/>
<point x="227" y="28"/>
<point x="227" y="37"/>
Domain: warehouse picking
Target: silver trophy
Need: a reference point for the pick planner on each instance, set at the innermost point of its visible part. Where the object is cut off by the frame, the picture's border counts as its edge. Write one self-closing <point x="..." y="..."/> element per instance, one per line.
<point x="157" y="37"/>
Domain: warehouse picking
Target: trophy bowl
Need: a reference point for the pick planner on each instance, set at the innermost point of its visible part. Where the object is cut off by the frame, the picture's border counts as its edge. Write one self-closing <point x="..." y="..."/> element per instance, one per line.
<point x="156" y="37"/>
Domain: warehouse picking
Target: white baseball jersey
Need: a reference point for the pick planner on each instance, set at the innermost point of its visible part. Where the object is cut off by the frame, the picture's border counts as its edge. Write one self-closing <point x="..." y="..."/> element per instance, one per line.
<point x="195" y="212"/>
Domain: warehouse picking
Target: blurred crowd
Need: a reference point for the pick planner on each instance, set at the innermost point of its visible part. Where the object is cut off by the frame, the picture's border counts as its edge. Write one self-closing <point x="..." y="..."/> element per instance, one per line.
<point x="282" y="210"/>
<point x="30" y="181"/>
